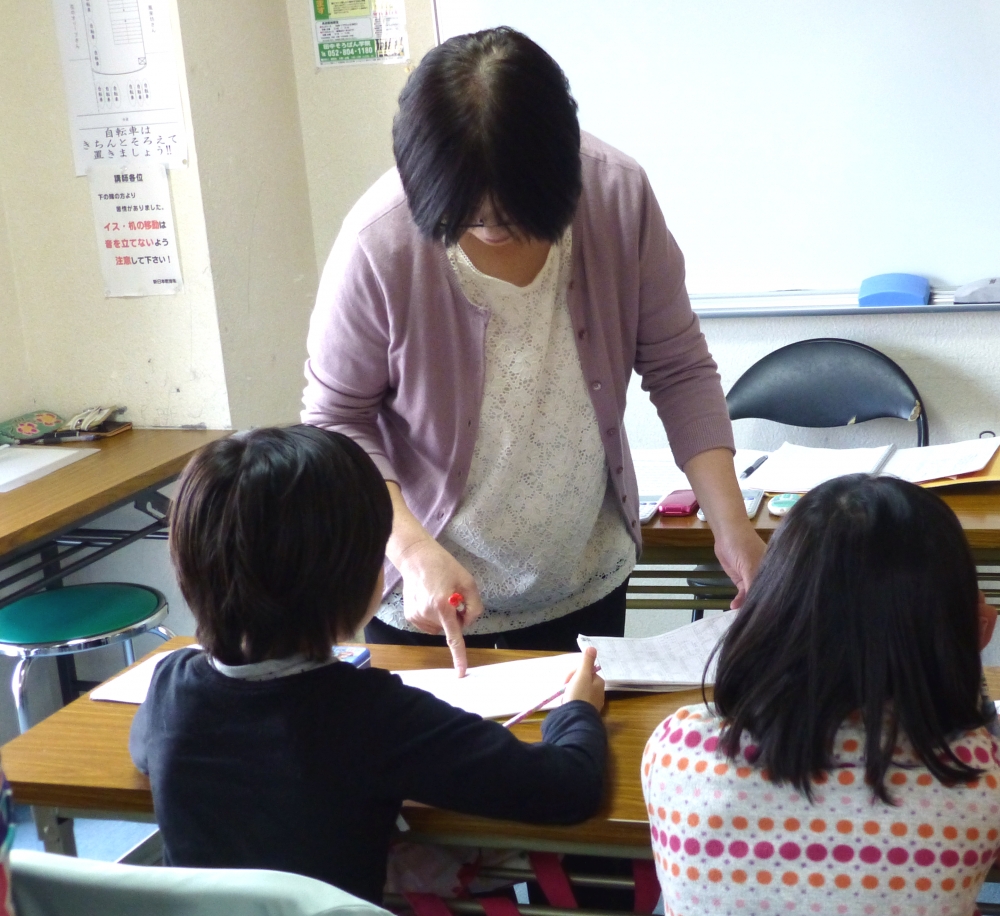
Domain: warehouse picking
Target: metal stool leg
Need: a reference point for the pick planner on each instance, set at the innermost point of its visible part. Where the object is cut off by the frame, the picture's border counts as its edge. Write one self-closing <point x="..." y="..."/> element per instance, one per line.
<point x="162" y="632"/>
<point x="17" y="687"/>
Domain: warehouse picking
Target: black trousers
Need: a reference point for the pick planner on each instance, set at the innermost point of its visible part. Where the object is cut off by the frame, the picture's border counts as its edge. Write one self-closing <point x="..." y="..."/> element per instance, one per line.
<point x="602" y="618"/>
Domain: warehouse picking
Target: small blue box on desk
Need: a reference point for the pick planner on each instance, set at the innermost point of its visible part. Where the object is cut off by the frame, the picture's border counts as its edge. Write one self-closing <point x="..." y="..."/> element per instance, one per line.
<point x="358" y="656"/>
<point x="895" y="289"/>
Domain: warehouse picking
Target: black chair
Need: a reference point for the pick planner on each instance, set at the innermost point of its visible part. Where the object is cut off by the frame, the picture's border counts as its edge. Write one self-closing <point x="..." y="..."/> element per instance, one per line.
<point x="826" y="382"/>
<point x="818" y="383"/>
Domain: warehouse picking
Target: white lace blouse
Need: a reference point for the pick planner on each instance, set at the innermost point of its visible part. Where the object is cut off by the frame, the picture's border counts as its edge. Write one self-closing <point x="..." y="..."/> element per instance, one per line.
<point x="536" y="525"/>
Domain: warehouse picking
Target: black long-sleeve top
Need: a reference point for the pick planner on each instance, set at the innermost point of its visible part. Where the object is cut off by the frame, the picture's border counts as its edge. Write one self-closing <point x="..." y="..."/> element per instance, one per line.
<point x="307" y="773"/>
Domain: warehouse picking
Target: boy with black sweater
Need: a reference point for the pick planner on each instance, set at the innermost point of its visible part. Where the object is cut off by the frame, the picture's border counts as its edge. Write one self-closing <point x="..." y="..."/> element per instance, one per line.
<point x="262" y="750"/>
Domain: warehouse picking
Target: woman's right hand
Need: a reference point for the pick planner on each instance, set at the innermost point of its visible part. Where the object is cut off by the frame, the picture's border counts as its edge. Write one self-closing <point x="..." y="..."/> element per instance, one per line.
<point x="431" y="576"/>
<point x="586" y="684"/>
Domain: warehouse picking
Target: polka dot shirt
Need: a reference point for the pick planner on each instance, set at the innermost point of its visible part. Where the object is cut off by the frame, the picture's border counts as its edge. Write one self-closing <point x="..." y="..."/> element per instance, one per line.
<point x="727" y="840"/>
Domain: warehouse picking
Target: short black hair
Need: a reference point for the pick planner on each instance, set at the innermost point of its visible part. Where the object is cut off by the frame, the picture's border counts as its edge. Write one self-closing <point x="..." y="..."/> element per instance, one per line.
<point x="277" y="537"/>
<point x="866" y="601"/>
<point x="488" y="117"/>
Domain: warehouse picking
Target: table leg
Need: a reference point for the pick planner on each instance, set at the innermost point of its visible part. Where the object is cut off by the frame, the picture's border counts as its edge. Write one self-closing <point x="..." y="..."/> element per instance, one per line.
<point x="54" y="831"/>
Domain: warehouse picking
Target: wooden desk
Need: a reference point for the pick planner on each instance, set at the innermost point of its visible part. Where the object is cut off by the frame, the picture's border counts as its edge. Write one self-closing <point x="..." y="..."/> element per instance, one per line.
<point x="41" y="541"/>
<point x="673" y="547"/>
<point x="76" y="764"/>
<point x="127" y="464"/>
<point x="687" y="539"/>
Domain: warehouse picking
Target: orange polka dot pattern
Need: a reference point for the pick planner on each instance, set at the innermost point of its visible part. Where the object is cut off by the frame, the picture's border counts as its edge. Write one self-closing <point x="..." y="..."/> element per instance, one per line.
<point x="727" y="840"/>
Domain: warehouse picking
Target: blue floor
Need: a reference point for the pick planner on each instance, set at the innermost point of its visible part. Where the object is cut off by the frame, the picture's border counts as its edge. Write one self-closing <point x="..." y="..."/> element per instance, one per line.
<point x="106" y="841"/>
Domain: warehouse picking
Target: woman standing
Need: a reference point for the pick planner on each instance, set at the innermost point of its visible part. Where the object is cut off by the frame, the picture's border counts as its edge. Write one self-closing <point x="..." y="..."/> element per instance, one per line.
<point x="475" y="329"/>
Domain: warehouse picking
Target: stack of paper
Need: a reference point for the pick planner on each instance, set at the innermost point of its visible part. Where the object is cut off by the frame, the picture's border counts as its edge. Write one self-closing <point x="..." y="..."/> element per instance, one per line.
<point x="935" y="462"/>
<point x="798" y="468"/>
<point x="671" y="661"/>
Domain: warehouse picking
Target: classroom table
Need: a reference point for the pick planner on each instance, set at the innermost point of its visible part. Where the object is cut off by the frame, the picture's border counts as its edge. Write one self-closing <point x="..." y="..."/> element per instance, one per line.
<point x="675" y="548"/>
<point x="671" y="539"/>
<point x="76" y="763"/>
<point x="43" y="524"/>
<point x="127" y="467"/>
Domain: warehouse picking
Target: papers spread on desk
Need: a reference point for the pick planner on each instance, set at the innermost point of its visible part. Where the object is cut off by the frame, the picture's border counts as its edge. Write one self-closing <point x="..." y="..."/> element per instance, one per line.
<point x="799" y="468"/>
<point x="671" y="661"/>
<point x="492" y="691"/>
<point x="132" y="685"/>
<point x="20" y="464"/>
<point x="933" y="462"/>
<point x="657" y="475"/>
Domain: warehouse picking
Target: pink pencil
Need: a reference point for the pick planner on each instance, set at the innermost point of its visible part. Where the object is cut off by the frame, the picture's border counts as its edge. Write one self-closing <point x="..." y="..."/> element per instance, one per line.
<point x="521" y="716"/>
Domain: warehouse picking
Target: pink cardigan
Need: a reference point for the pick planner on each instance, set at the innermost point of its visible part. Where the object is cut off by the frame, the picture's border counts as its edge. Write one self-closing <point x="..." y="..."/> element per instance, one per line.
<point x="396" y="350"/>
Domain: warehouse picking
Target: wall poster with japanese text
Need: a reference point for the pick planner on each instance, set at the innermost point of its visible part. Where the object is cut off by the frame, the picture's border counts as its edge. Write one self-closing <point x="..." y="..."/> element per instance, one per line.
<point x="122" y="88"/>
<point x="359" y="31"/>
<point x="135" y="229"/>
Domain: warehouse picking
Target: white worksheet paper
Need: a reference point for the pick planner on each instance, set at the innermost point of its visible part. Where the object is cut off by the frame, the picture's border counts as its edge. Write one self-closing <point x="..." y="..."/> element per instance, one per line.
<point x="20" y="464"/>
<point x="671" y="661"/>
<point x="932" y="462"/>
<point x="657" y="475"/>
<point x="489" y="690"/>
<point x="492" y="691"/>
<point x="131" y="686"/>
<point x="798" y="468"/>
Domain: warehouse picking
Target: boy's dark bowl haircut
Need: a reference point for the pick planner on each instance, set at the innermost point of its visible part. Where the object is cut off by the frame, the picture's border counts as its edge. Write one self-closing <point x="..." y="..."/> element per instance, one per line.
<point x="488" y="117"/>
<point x="866" y="601"/>
<point x="277" y="538"/>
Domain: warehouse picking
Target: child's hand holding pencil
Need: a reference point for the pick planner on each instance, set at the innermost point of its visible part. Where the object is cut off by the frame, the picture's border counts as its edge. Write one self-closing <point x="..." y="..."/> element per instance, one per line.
<point x="587" y="684"/>
<point x="584" y="684"/>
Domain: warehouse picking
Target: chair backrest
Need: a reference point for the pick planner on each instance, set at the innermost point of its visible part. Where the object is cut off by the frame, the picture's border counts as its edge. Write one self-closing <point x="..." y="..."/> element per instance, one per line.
<point x="827" y="382"/>
<point x="45" y="884"/>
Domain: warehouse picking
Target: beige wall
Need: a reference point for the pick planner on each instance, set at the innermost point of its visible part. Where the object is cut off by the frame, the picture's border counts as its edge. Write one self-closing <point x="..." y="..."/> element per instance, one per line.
<point x="346" y="115"/>
<point x="160" y="356"/>
<point x="245" y="118"/>
<point x="15" y="389"/>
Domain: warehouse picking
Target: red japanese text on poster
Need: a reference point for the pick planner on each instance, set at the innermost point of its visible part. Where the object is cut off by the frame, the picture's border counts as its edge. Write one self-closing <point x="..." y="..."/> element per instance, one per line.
<point x="135" y="230"/>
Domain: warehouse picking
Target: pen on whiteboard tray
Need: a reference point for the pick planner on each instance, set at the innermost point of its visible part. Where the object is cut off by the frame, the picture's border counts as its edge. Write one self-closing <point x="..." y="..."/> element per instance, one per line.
<point x="521" y="716"/>
<point x="753" y="467"/>
<point x="457" y="601"/>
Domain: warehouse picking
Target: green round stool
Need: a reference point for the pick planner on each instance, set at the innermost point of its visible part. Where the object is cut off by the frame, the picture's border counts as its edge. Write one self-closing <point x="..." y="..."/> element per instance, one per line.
<point x="74" y="619"/>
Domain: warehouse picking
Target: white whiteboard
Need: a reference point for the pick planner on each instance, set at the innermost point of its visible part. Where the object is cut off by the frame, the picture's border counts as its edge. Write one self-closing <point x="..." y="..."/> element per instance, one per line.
<point x="792" y="144"/>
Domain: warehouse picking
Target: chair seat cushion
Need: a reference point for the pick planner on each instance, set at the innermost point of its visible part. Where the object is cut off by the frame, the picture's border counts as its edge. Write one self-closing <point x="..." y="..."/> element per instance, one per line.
<point x="75" y="612"/>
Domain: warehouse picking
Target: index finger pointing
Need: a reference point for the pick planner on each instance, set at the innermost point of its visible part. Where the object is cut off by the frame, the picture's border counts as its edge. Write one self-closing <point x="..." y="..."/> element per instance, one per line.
<point x="453" y="636"/>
